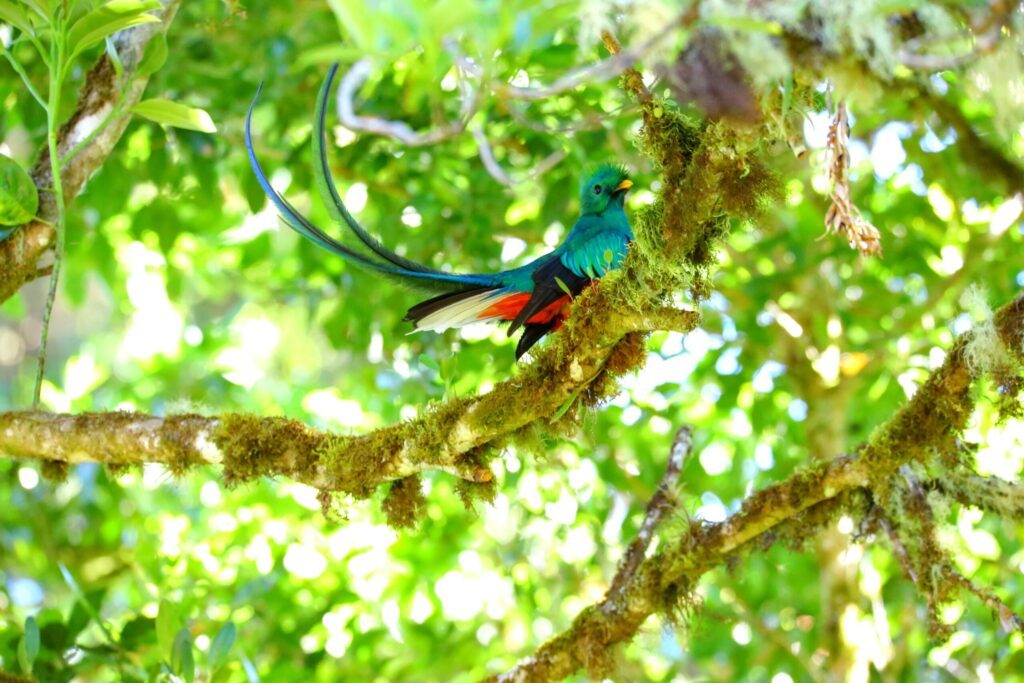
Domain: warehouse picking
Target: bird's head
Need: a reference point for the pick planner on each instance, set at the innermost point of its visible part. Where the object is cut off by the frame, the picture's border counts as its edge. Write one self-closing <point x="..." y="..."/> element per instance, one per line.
<point x="605" y="188"/>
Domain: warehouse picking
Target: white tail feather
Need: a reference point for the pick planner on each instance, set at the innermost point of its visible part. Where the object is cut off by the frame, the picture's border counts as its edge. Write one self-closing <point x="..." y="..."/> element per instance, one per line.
<point x="459" y="313"/>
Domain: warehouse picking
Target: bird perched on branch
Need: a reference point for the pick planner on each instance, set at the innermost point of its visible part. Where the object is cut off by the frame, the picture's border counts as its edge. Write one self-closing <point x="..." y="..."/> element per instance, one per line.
<point x="535" y="297"/>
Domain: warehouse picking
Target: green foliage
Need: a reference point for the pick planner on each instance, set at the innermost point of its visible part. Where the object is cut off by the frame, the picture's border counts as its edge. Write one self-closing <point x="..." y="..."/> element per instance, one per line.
<point x="105" y="20"/>
<point x="175" y="114"/>
<point x="19" y="199"/>
<point x="182" y="294"/>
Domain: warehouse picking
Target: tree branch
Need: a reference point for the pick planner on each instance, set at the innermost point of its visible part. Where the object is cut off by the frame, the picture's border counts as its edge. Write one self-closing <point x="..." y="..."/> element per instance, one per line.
<point x="661" y="503"/>
<point x="661" y="581"/>
<point x="1005" y="498"/>
<point x="401" y="131"/>
<point x="620" y="62"/>
<point x="986" y="34"/>
<point x="941" y="406"/>
<point x="21" y="251"/>
<point x="446" y="438"/>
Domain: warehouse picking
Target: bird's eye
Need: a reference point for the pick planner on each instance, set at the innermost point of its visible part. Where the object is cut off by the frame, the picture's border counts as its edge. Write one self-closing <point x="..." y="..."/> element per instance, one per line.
<point x="597" y="189"/>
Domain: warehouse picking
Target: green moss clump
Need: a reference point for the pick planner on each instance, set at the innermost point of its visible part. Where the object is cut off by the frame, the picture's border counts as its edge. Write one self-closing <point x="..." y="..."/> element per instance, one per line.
<point x="177" y="436"/>
<point x="55" y="471"/>
<point x="428" y="436"/>
<point x="253" y="447"/>
<point x="357" y="465"/>
<point x="405" y="503"/>
<point x="1009" y="402"/>
<point x="470" y="492"/>
<point x="669" y="137"/>
<point x="117" y="469"/>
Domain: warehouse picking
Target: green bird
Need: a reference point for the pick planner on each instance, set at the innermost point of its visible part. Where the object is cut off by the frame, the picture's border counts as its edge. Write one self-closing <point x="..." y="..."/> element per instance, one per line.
<point x="535" y="297"/>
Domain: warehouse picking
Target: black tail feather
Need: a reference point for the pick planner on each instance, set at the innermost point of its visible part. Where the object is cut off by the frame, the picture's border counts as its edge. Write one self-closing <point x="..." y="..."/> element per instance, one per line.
<point x="434" y="304"/>
<point x="532" y="333"/>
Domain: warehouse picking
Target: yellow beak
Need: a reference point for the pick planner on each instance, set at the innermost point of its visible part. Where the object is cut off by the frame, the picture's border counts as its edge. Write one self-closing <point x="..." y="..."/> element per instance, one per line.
<point x="624" y="185"/>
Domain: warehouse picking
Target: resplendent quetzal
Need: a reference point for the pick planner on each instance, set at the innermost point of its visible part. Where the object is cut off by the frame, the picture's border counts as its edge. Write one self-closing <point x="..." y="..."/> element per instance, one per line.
<point x="535" y="297"/>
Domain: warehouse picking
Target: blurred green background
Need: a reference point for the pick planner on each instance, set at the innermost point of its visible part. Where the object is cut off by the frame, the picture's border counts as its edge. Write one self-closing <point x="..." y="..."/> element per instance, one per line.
<point x="182" y="291"/>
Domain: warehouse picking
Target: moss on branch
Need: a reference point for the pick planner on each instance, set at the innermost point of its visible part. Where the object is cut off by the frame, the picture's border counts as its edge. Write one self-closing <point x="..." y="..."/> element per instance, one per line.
<point x="795" y="510"/>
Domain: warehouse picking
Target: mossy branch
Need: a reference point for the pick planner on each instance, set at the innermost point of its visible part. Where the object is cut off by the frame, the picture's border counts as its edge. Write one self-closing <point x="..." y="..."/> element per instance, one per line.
<point x="794" y="509"/>
<point x="21" y="251"/>
<point x="664" y="582"/>
<point x="1004" y="498"/>
<point x="598" y="341"/>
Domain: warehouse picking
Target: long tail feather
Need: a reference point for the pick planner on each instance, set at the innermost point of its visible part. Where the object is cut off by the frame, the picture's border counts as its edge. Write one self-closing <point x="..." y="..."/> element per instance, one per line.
<point x="329" y="192"/>
<point x="303" y="226"/>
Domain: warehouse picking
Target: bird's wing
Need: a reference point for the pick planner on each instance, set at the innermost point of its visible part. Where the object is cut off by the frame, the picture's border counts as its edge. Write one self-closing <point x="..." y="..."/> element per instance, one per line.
<point x="568" y="271"/>
<point x="597" y="254"/>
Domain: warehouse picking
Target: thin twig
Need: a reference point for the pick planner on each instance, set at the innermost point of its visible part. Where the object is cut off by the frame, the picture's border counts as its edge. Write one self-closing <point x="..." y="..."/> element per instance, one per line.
<point x="57" y="73"/>
<point x="399" y="130"/>
<point x="660" y="504"/>
<point x="498" y="172"/>
<point x="897" y="546"/>
<point x="20" y="70"/>
<point x="1008" y="619"/>
<point x="599" y="72"/>
<point x="634" y="79"/>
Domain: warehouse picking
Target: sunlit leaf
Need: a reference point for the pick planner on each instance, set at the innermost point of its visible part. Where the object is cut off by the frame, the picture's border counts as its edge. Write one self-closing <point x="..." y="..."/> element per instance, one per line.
<point x="155" y="57"/>
<point x="28" y="648"/>
<point x="175" y="114"/>
<point x="221" y="646"/>
<point x="182" y="657"/>
<point x="114" y="16"/>
<point x="11" y="13"/>
<point x="167" y="621"/>
<point x="19" y="199"/>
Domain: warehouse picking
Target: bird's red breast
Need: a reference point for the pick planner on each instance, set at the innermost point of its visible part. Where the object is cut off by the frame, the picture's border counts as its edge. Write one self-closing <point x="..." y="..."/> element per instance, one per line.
<point x="508" y="307"/>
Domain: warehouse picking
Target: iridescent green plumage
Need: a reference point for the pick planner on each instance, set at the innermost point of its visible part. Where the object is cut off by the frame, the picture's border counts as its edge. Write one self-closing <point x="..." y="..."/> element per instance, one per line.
<point x="535" y="296"/>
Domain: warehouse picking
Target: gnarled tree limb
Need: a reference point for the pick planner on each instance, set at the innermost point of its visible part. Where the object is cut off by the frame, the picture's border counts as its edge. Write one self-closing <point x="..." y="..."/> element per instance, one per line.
<point x="658" y="582"/>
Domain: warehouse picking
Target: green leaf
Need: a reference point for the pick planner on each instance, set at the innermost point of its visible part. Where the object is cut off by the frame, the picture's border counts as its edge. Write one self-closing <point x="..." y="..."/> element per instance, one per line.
<point x="43" y="8"/>
<point x="19" y="199"/>
<point x="175" y="114"/>
<point x="325" y="54"/>
<point x="137" y="632"/>
<point x="251" y="674"/>
<point x="114" y="16"/>
<point x="28" y="648"/>
<point x="564" y="408"/>
<point x="15" y="16"/>
<point x="182" y="660"/>
<point x="562" y="286"/>
<point x="115" y="58"/>
<point x="429" y="362"/>
<point x="32" y="638"/>
<point x="354" y="21"/>
<point x="221" y="645"/>
<point x="155" y="57"/>
<point x="166" y="625"/>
